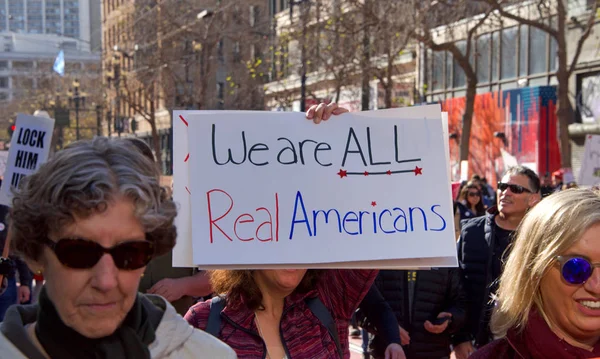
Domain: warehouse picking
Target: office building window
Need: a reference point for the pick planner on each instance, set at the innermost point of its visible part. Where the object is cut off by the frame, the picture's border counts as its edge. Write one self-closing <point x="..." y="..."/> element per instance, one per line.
<point x="483" y="58"/>
<point x="35" y="17"/>
<point x="459" y="79"/>
<point x="254" y="15"/>
<point x="16" y="16"/>
<point x="4" y="82"/>
<point x="537" y="51"/>
<point x="508" y="63"/>
<point x="438" y="70"/>
<point x="523" y="50"/>
<point x="3" y="65"/>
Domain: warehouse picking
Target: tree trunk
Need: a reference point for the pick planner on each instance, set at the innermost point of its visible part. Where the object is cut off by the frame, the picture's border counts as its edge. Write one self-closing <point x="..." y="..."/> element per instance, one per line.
<point x="564" y="112"/>
<point x="467" y="119"/>
<point x="388" y="93"/>
<point x="564" y="116"/>
<point x="155" y="139"/>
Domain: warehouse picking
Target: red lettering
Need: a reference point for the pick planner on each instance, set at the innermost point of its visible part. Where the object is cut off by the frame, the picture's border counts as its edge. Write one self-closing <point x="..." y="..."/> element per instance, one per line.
<point x="276" y="218"/>
<point x="239" y="220"/>
<point x="210" y="216"/>
<point x="269" y="222"/>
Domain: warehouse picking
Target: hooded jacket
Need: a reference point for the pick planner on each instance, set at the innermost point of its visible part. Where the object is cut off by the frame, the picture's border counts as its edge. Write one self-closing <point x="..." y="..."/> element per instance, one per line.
<point x="175" y="338"/>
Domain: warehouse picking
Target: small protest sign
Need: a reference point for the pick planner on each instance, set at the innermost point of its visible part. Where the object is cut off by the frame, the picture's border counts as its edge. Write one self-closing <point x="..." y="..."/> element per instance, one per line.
<point x="273" y="190"/>
<point x="29" y="148"/>
<point x="589" y="174"/>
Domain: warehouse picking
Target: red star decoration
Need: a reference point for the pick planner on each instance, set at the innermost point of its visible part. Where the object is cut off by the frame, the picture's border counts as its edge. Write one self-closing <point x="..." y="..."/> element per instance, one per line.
<point x="342" y="173"/>
<point x="389" y="172"/>
<point x="373" y="203"/>
<point x="418" y="171"/>
<point x="187" y="158"/>
<point x="366" y="173"/>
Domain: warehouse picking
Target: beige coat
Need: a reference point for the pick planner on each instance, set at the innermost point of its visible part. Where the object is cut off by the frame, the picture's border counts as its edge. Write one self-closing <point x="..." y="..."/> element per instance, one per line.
<point x="175" y="339"/>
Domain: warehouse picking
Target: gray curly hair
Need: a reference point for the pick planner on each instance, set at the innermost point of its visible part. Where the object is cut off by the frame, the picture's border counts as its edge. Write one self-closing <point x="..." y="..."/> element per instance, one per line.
<point x="82" y="179"/>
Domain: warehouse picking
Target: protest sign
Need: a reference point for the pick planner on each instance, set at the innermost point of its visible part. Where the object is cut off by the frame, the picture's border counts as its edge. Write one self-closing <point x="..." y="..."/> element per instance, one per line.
<point x="589" y="174"/>
<point x="3" y="160"/>
<point x="29" y="148"/>
<point x="269" y="190"/>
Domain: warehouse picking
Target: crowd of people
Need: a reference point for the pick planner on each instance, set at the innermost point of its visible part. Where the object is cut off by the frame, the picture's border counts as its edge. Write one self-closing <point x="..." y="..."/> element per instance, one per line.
<point x="525" y="287"/>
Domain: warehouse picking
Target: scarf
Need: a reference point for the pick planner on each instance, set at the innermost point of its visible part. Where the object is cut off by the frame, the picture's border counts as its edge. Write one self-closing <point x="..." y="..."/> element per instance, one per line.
<point x="537" y="340"/>
<point x="130" y="340"/>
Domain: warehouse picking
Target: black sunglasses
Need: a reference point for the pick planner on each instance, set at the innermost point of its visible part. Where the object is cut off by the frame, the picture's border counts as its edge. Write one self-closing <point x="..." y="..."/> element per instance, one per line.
<point x="474" y="194"/>
<point x="84" y="254"/>
<point x="576" y="270"/>
<point x="514" y="188"/>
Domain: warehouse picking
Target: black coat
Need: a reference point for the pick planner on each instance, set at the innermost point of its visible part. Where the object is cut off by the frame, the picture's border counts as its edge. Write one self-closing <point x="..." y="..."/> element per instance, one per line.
<point x="18" y="265"/>
<point x="435" y="291"/>
<point x="475" y="253"/>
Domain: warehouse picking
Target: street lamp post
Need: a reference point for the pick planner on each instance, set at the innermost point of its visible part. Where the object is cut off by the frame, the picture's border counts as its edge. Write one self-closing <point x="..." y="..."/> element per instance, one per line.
<point x="304" y="12"/>
<point x="77" y="99"/>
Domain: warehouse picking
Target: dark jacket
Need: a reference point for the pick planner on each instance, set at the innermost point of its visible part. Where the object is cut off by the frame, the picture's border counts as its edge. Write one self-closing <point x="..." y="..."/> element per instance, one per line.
<point x="18" y="265"/>
<point x="475" y="252"/>
<point x="435" y="291"/>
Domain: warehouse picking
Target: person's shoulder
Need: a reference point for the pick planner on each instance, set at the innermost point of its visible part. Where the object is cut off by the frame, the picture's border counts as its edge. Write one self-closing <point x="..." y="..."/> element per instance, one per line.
<point x="477" y="223"/>
<point x="176" y="339"/>
<point x="208" y="345"/>
<point x="198" y="314"/>
<point x="499" y="348"/>
<point x="8" y="349"/>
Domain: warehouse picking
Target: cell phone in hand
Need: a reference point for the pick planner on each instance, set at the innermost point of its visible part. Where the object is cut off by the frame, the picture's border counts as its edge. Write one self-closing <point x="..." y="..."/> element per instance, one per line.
<point x="439" y="321"/>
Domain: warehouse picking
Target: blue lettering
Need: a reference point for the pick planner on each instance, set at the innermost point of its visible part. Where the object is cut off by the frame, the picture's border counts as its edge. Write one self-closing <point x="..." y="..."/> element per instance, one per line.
<point x="442" y="218"/>
<point x="360" y="221"/>
<point x="402" y="215"/>
<point x="346" y="219"/>
<point x="410" y="212"/>
<point x="326" y="214"/>
<point x="380" y="226"/>
<point x="294" y="220"/>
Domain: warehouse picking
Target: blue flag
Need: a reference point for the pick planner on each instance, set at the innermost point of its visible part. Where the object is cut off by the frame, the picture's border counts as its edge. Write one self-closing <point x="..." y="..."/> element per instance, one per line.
<point x="59" y="63"/>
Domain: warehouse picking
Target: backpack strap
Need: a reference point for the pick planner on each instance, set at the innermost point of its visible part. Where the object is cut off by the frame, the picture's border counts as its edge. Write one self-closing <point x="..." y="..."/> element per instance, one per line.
<point x="213" y="326"/>
<point x="320" y="311"/>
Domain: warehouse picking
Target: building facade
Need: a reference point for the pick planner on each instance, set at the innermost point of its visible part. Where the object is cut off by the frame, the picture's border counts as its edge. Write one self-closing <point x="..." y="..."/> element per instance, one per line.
<point x="79" y="19"/>
<point x="516" y="100"/>
<point x="26" y="62"/>
<point x="331" y="56"/>
<point x="170" y="54"/>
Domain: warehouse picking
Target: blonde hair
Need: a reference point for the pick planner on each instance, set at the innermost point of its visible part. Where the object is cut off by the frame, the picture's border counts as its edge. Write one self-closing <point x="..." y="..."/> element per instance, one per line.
<point x="548" y="230"/>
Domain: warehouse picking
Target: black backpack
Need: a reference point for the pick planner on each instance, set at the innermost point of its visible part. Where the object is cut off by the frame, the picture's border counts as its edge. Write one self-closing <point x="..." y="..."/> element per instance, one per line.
<point x="315" y="305"/>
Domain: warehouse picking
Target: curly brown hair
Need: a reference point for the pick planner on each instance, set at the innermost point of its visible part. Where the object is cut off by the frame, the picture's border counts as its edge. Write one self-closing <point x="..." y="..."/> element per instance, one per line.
<point x="82" y="180"/>
<point x="239" y="286"/>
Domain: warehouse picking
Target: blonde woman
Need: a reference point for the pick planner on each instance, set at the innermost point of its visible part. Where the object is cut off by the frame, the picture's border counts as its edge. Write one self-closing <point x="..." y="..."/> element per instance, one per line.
<point x="549" y="293"/>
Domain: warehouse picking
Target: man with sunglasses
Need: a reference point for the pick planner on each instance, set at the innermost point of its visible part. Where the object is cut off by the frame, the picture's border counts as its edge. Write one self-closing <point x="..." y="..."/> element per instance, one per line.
<point x="481" y="249"/>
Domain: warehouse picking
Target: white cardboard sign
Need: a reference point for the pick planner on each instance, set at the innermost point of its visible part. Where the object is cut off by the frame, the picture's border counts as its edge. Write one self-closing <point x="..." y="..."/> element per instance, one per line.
<point x="29" y="148"/>
<point x="589" y="174"/>
<point x="273" y="190"/>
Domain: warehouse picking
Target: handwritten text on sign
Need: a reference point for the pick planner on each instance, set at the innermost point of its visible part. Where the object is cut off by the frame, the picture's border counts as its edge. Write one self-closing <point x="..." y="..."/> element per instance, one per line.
<point x="349" y="189"/>
<point x="29" y="148"/>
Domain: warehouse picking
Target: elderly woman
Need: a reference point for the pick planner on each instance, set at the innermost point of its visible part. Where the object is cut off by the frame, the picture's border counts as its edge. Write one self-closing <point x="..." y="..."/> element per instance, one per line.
<point x="276" y="314"/>
<point x="549" y="293"/>
<point x="91" y="219"/>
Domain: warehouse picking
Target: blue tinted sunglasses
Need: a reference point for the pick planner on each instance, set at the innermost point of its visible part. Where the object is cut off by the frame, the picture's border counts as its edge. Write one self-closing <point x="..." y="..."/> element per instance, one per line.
<point x="575" y="269"/>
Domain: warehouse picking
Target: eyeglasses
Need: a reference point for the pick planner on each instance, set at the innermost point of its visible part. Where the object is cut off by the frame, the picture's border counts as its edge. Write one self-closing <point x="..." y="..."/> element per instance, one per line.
<point x="514" y="188"/>
<point x="576" y="270"/>
<point x="85" y="254"/>
<point x="474" y="194"/>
